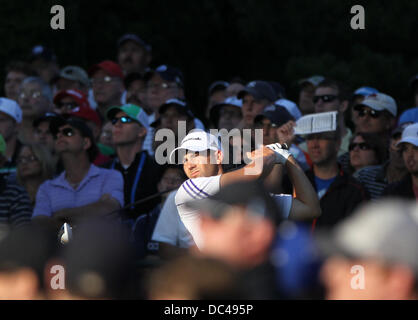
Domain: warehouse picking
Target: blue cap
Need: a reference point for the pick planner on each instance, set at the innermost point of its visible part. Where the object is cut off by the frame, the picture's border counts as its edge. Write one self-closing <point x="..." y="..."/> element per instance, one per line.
<point x="365" y="91"/>
<point x="133" y="37"/>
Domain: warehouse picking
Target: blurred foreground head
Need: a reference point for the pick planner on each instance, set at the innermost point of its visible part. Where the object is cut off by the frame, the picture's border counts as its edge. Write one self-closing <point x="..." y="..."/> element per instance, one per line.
<point x="373" y="254"/>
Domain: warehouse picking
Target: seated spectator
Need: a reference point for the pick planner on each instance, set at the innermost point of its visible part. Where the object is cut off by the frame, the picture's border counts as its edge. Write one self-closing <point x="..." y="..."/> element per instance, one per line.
<point x="10" y="119"/>
<point x="35" y="164"/>
<point x="256" y="96"/>
<point x="82" y="190"/>
<point x="35" y="99"/>
<point x="107" y="84"/>
<point x="382" y="239"/>
<point x="227" y="114"/>
<point x="306" y="93"/>
<point x="407" y="188"/>
<point x="140" y="171"/>
<point x="143" y="228"/>
<point x="134" y="54"/>
<point x="15" y="207"/>
<point x="366" y="149"/>
<point x="16" y="72"/>
<point x="358" y="96"/>
<point x="338" y="192"/>
<point x="376" y="178"/>
<point x="44" y="61"/>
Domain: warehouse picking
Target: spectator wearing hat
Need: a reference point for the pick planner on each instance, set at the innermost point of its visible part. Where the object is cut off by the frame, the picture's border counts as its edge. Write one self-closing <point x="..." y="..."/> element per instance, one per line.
<point x="139" y="170"/>
<point x="44" y="61"/>
<point x="10" y="119"/>
<point x="256" y="96"/>
<point x="16" y="72"/>
<point x="35" y="99"/>
<point x="376" y="178"/>
<point x="290" y="106"/>
<point x="236" y="85"/>
<point x="411" y="114"/>
<point x="170" y="114"/>
<point x="216" y="94"/>
<point x="15" y="207"/>
<point x="306" y="93"/>
<point x="382" y="239"/>
<point x="358" y="96"/>
<point x="82" y="190"/>
<point x="227" y="114"/>
<point x="338" y="192"/>
<point x="107" y="84"/>
<point x="376" y="113"/>
<point x="407" y="188"/>
<point x="134" y="54"/>
<point x="73" y="77"/>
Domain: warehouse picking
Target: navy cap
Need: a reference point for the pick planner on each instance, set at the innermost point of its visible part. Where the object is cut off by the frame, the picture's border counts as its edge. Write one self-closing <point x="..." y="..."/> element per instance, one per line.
<point x="180" y="105"/>
<point x="259" y="90"/>
<point x="133" y="37"/>
<point x="45" y="117"/>
<point x="168" y="73"/>
<point x="218" y="85"/>
<point x="278" y="115"/>
<point x="280" y="91"/>
<point x="42" y="52"/>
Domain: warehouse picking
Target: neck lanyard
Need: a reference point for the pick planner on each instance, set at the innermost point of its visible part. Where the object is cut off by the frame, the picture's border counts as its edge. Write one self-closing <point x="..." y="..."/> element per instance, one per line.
<point x="137" y="176"/>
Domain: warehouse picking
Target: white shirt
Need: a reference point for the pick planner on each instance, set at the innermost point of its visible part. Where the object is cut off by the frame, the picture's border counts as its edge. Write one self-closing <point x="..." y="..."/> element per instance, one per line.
<point x="169" y="228"/>
<point x="201" y="188"/>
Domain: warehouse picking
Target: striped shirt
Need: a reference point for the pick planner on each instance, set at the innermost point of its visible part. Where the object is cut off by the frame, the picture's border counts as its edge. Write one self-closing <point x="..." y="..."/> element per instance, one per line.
<point x="15" y="205"/>
<point x="373" y="179"/>
<point x="57" y="194"/>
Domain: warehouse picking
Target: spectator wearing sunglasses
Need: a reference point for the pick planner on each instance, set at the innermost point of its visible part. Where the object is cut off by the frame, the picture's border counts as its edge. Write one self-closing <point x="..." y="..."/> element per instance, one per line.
<point x="140" y="171"/>
<point x="357" y="98"/>
<point x="376" y="178"/>
<point x="338" y="192"/>
<point x="376" y="114"/>
<point x="366" y="149"/>
<point x="107" y="84"/>
<point x="407" y="188"/>
<point x="35" y="165"/>
<point x="83" y="190"/>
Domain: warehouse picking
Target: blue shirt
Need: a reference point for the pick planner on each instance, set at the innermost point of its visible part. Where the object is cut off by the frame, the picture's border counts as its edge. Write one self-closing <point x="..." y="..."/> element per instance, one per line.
<point x="57" y="194"/>
<point x="322" y="185"/>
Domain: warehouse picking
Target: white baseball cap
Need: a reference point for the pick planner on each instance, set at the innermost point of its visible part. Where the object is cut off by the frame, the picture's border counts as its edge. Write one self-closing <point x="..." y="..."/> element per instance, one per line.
<point x="379" y="102"/>
<point x="198" y="140"/>
<point x="11" y="108"/>
<point x="410" y="134"/>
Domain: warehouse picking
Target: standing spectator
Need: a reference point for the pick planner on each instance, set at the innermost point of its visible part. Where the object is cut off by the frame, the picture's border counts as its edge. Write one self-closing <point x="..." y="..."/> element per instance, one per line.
<point x="35" y="165"/>
<point x="35" y="98"/>
<point x="41" y="133"/>
<point x="16" y="72"/>
<point x="44" y="62"/>
<point x="107" y="83"/>
<point x="134" y="55"/>
<point x="306" y="93"/>
<point x="256" y="96"/>
<point x="338" y="192"/>
<point x="73" y="77"/>
<point x="358" y="97"/>
<point x="82" y="190"/>
<point x="15" y="208"/>
<point x="376" y="178"/>
<point x="217" y="94"/>
<point x="10" y="119"/>
<point x="226" y="115"/>
<point x="135" y="89"/>
<point x="408" y="187"/>
<point x="366" y="149"/>
<point x="140" y="171"/>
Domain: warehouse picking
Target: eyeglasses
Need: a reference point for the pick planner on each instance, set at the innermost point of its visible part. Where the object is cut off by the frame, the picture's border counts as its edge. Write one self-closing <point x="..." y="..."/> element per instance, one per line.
<point x="122" y="119"/>
<point x="68" y="132"/>
<point x="29" y="159"/>
<point x="33" y="95"/>
<point x="106" y="79"/>
<point x="362" y="112"/>
<point x="325" y="98"/>
<point x="163" y="85"/>
<point x="69" y="106"/>
<point x="361" y="145"/>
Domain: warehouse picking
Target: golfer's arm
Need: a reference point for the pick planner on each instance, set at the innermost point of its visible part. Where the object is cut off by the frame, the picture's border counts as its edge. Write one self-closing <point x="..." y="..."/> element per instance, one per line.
<point x="305" y="205"/>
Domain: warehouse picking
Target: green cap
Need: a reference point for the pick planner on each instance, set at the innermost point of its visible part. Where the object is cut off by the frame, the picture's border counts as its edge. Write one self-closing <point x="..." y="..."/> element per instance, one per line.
<point x="2" y="145"/>
<point x="133" y="111"/>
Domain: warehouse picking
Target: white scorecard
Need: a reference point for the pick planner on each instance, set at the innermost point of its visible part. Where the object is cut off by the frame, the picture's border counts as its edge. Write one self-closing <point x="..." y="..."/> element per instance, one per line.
<point x="316" y="122"/>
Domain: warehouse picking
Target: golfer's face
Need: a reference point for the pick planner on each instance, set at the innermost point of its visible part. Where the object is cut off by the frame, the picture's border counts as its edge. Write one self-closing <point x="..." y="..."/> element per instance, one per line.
<point x="199" y="164"/>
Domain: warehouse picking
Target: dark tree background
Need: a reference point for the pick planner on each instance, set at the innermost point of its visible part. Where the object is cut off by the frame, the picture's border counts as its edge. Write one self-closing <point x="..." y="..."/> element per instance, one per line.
<point x="211" y="40"/>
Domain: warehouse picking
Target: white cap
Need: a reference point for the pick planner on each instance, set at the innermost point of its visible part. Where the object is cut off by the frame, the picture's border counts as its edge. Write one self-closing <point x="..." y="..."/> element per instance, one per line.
<point x="380" y="102"/>
<point x="233" y="101"/>
<point x="11" y="108"/>
<point x="198" y="140"/>
<point x="410" y="134"/>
